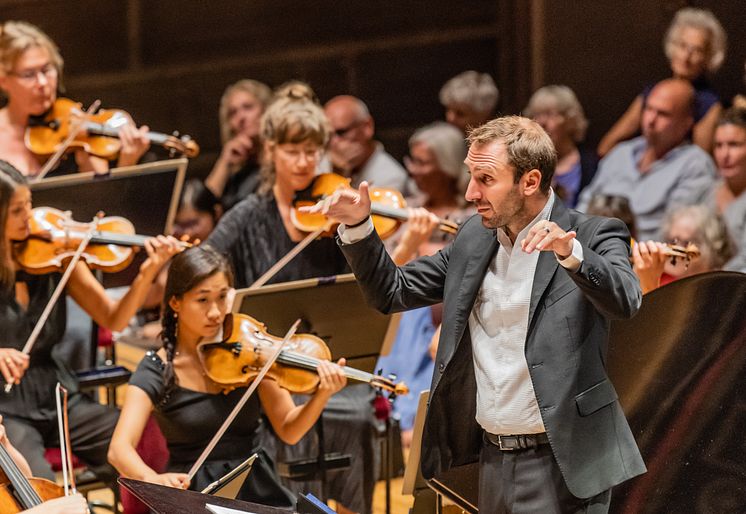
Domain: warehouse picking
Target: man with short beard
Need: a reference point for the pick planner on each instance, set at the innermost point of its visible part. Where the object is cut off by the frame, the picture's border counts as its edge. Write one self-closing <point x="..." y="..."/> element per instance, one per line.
<point x="528" y="288"/>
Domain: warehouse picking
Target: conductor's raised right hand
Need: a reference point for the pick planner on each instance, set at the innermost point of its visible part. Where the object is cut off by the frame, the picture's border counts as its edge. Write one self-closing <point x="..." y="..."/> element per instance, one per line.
<point x="345" y="205"/>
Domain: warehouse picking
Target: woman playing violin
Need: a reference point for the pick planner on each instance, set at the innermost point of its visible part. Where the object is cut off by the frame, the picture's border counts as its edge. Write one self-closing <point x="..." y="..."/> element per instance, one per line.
<point x="30" y="409"/>
<point x="74" y="504"/>
<point x="189" y="407"/>
<point x="30" y="76"/>
<point x="258" y="231"/>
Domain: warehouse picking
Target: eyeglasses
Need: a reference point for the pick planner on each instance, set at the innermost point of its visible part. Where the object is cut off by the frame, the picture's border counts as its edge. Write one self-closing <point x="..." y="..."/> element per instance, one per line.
<point x="342" y="132"/>
<point x="29" y="76"/>
<point x="414" y="162"/>
<point x="696" y="51"/>
<point x="294" y="154"/>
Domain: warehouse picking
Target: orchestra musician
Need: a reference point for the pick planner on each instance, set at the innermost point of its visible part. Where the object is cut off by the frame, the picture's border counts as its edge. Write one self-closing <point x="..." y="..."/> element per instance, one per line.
<point x="73" y="504"/>
<point x="539" y="283"/>
<point x="190" y="408"/>
<point x="30" y="409"/>
<point x="258" y="231"/>
<point x="30" y="77"/>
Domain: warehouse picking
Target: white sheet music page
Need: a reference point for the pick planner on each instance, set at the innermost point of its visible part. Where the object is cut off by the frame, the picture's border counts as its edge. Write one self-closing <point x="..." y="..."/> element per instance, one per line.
<point x="216" y="509"/>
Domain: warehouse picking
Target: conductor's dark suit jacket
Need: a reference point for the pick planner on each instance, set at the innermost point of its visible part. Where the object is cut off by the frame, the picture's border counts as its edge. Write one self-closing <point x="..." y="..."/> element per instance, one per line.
<point x="565" y="347"/>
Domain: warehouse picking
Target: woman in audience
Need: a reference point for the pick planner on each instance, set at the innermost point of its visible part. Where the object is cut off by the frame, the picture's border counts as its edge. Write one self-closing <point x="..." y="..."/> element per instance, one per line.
<point x="695" y="46"/>
<point x="236" y="172"/>
<point x="190" y="408"/>
<point x="558" y="111"/>
<point x="29" y="410"/>
<point x="695" y="224"/>
<point x="30" y="75"/>
<point x="728" y="195"/>
<point x="470" y="99"/>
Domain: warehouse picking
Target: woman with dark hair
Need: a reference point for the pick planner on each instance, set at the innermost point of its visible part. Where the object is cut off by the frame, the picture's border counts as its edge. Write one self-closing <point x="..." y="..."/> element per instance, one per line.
<point x="29" y="410"/>
<point x="190" y="408"/>
<point x="198" y="212"/>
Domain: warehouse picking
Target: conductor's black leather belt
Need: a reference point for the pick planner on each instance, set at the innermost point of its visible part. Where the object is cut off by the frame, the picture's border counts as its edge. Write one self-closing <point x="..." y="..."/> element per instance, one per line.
<point x="517" y="442"/>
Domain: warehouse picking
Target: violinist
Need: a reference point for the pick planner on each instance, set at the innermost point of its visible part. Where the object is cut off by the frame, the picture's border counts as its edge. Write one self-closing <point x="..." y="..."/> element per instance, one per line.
<point x="189" y="408"/>
<point x="258" y="231"/>
<point x="30" y="77"/>
<point x="30" y="409"/>
<point x="74" y="504"/>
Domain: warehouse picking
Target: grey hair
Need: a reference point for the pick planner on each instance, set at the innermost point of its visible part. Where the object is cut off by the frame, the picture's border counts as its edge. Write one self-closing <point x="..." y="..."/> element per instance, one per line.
<point x="564" y="100"/>
<point x="447" y="144"/>
<point x="715" y="244"/>
<point x="472" y="88"/>
<point x="704" y="20"/>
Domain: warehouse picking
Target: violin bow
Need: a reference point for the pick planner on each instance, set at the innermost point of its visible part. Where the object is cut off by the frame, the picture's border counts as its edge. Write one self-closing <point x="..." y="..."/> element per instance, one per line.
<point x="72" y="134"/>
<point x="276" y="267"/>
<point x="55" y="295"/>
<point x="219" y="434"/>
<point x="68" y="479"/>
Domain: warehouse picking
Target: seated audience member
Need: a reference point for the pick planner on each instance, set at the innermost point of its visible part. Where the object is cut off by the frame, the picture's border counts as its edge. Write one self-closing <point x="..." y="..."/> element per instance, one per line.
<point x="695" y="224"/>
<point x="236" y="172"/>
<point x="558" y="111"/>
<point x="661" y="168"/>
<point x="695" y="46"/>
<point x="436" y="165"/>
<point x="728" y="195"/>
<point x="74" y="504"/>
<point x="352" y="150"/>
<point x="190" y="408"/>
<point x="613" y="206"/>
<point x="470" y="99"/>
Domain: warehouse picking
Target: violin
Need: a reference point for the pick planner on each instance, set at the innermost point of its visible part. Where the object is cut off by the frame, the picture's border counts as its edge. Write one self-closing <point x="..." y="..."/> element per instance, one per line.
<point x="688" y="253"/>
<point x="388" y="207"/>
<point x="98" y="135"/>
<point x="54" y="237"/>
<point x="238" y="358"/>
<point x="18" y="493"/>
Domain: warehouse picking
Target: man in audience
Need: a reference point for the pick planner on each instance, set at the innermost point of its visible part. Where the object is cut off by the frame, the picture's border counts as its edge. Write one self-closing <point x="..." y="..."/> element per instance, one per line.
<point x="661" y="168"/>
<point x="470" y="99"/>
<point x="353" y="151"/>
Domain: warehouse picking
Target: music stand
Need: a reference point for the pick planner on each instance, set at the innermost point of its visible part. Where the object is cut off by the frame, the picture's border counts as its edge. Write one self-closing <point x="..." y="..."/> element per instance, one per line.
<point x="169" y="500"/>
<point x="331" y="308"/>
<point x="230" y="484"/>
<point x="147" y="195"/>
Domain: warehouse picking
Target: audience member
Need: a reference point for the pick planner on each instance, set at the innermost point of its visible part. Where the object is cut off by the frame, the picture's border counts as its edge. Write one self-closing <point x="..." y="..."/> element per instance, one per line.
<point x="695" y="224"/>
<point x="470" y="99"/>
<point x="728" y="194"/>
<point x="695" y="46"/>
<point x="558" y="111"/>
<point x="613" y="206"/>
<point x="661" y="168"/>
<point x="353" y="151"/>
<point x="235" y="174"/>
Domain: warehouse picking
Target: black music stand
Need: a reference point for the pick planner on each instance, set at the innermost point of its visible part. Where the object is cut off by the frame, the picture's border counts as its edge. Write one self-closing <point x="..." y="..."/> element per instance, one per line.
<point x="147" y="195"/>
<point x="332" y="308"/>
<point x="335" y="310"/>
<point x="168" y="500"/>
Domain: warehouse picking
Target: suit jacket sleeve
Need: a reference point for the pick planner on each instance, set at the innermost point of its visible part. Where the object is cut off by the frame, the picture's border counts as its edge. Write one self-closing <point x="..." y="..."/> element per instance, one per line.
<point x="605" y="276"/>
<point x="390" y="288"/>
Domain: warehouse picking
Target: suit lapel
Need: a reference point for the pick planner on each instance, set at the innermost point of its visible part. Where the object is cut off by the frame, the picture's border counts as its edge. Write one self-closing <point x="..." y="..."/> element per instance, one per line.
<point x="547" y="265"/>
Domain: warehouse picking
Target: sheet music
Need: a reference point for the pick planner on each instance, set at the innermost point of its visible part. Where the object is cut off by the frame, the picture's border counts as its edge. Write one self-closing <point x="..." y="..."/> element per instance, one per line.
<point x="216" y="509"/>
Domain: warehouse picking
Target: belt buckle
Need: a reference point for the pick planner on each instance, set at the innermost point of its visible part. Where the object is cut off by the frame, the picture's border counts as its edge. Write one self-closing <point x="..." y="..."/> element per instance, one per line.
<point x="506" y="448"/>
